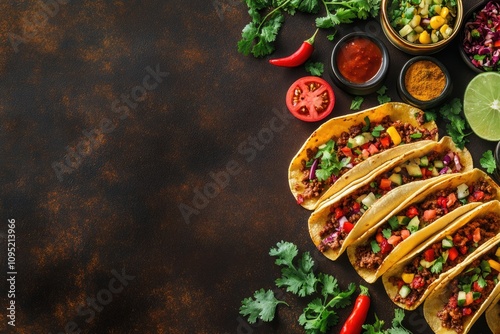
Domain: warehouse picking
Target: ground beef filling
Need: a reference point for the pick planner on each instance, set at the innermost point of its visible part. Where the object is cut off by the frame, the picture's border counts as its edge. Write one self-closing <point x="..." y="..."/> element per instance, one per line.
<point x="453" y="316"/>
<point x="315" y="188"/>
<point x="366" y="258"/>
<point x="489" y="225"/>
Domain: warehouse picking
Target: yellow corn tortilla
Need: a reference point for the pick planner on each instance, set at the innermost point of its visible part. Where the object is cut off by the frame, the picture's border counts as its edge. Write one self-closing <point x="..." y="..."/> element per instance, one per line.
<point x="440" y="296"/>
<point x="334" y="127"/>
<point x="398" y="268"/>
<point x="407" y="245"/>
<point x="376" y="212"/>
<point x="492" y="315"/>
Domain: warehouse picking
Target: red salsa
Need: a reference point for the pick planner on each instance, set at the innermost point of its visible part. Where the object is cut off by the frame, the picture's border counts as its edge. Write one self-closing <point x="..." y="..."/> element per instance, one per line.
<point x="359" y="60"/>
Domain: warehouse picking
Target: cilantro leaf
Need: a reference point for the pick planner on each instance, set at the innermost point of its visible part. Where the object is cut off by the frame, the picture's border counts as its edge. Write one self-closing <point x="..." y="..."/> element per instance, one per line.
<point x="329" y="164"/>
<point x="298" y="279"/>
<point x="375" y="247"/>
<point x="262" y="306"/>
<point x="382" y="97"/>
<point x="376" y="130"/>
<point x="397" y="325"/>
<point x="356" y="102"/>
<point x="315" y="68"/>
<point x="456" y="125"/>
<point x="487" y="161"/>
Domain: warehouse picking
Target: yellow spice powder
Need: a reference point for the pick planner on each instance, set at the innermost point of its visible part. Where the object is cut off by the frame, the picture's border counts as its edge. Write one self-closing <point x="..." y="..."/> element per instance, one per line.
<point x="424" y="80"/>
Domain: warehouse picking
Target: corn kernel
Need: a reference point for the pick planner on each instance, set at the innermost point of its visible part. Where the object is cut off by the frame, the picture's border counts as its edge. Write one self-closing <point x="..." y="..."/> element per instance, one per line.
<point x="445" y="31"/>
<point x="424" y="37"/>
<point x="436" y="22"/>
<point x="444" y="12"/>
<point x="407" y="278"/>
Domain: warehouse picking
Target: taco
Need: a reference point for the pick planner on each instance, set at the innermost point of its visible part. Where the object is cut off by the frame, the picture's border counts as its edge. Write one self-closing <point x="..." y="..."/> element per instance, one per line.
<point x="418" y="218"/>
<point x="345" y="149"/>
<point x="463" y="296"/>
<point x="416" y="275"/>
<point x="342" y="219"/>
<point x="492" y="314"/>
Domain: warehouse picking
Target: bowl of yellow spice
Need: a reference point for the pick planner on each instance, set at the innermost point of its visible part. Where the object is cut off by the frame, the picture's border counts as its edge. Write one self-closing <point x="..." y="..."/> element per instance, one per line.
<point x="424" y="82"/>
<point x="421" y="27"/>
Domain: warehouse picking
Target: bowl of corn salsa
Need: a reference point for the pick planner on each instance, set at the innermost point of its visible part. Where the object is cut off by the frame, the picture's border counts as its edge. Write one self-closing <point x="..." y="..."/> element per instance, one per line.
<point x="421" y="27"/>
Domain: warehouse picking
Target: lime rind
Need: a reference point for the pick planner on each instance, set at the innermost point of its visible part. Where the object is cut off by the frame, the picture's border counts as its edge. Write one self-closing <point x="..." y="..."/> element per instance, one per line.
<point x="482" y="105"/>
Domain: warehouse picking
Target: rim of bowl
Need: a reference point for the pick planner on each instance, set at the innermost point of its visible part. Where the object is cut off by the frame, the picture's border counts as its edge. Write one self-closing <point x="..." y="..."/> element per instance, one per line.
<point x="381" y="73"/>
<point x="427" y="47"/>
<point x="467" y="17"/>
<point x="446" y="90"/>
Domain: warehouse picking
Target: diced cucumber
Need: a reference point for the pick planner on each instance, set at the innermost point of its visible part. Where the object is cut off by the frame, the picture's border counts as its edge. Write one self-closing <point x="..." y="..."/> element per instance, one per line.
<point x="368" y="136"/>
<point x="403" y="220"/>
<point x="462" y="191"/>
<point x="369" y="200"/>
<point x="413" y="169"/>
<point x="356" y="141"/>
<point x="447" y="242"/>
<point x="414" y="224"/>
<point x="435" y="172"/>
<point x="405" y="30"/>
<point x="426" y="264"/>
<point x="404" y="291"/>
<point x="396" y="178"/>
<point x="462" y="295"/>
<point x="438" y="164"/>
<point x="424" y="161"/>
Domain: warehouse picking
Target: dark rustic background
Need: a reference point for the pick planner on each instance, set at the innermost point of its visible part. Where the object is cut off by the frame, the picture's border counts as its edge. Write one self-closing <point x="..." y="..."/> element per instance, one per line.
<point x="115" y="115"/>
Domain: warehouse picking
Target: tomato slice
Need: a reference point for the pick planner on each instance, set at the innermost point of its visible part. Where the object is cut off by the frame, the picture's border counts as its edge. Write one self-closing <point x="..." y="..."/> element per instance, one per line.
<point x="310" y="99"/>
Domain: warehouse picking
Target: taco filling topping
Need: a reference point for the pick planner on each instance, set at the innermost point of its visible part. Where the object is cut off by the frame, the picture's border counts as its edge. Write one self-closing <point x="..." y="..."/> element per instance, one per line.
<point x="442" y="256"/>
<point x="346" y="213"/>
<point x="416" y="217"/>
<point x="333" y="159"/>
<point x="469" y="290"/>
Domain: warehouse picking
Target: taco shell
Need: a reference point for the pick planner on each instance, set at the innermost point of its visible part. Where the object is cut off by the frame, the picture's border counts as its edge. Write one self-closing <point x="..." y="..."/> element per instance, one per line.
<point x="379" y="210"/>
<point x="396" y="270"/>
<point x="492" y="315"/>
<point x="415" y="239"/>
<point x="439" y="297"/>
<point x="334" y="128"/>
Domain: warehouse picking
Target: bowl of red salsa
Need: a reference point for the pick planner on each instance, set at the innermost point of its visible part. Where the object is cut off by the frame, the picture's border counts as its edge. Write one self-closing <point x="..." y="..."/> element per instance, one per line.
<point x="359" y="63"/>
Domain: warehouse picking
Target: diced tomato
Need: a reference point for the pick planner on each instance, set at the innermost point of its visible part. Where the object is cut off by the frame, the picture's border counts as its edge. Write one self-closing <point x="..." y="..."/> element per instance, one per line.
<point x="467" y="311"/>
<point x="372" y="149"/>
<point x="469" y="298"/>
<point x="365" y="153"/>
<point x="463" y="250"/>
<point x="385" y="247"/>
<point x="379" y="237"/>
<point x="476" y="287"/>
<point x="477" y="235"/>
<point x="365" y="146"/>
<point x="441" y="201"/>
<point x="412" y="212"/>
<point x="405" y="233"/>
<point x="429" y="215"/>
<point x="400" y="283"/>
<point x="348" y="226"/>
<point x="385" y="141"/>
<point x="478" y="195"/>
<point x="452" y="253"/>
<point x="496" y="43"/>
<point x="300" y="199"/>
<point x="429" y="255"/>
<point x="347" y="151"/>
<point x="356" y="207"/>
<point x="385" y="184"/>
<point x="394" y="240"/>
<point x="452" y="198"/>
<point x="338" y="213"/>
<point x="417" y="283"/>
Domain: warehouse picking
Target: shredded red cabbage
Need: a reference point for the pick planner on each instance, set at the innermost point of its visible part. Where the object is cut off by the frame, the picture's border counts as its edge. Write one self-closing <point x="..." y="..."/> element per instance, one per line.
<point x="482" y="38"/>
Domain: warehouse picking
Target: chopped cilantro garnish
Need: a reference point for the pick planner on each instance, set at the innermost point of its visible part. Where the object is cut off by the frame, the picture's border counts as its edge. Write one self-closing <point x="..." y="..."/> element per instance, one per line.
<point x="375" y="247"/>
<point x="487" y="161"/>
<point x="329" y="161"/>
<point x="356" y="102"/>
<point x="376" y="130"/>
<point x="315" y="68"/>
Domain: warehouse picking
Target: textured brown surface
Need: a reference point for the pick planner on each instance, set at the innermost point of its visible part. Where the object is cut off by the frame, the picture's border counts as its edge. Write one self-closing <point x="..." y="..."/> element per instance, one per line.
<point x="117" y="208"/>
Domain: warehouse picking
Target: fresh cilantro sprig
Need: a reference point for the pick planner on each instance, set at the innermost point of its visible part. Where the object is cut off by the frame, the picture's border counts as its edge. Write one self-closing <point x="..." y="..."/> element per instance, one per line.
<point x="298" y="277"/>
<point x="320" y="314"/>
<point x="487" y="161"/>
<point x="315" y="68"/>
<point x="397" y="325"/>
<point x="268" y="16"/>
<point x="262" y="306"/>
<point x="456" y="125"/>
<point x="356" y="102"/>
<point x="329" y="161"/>
<point x="382" y="96"/>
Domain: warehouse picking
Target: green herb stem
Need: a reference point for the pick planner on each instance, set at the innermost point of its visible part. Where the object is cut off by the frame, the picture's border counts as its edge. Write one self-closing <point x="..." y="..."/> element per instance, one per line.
<point x="271" y="13"/>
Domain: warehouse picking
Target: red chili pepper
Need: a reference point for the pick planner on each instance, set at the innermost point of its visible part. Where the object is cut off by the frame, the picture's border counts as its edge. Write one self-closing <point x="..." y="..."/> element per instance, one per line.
<point x="356" y="319"/>
<point x="298" y="57"/>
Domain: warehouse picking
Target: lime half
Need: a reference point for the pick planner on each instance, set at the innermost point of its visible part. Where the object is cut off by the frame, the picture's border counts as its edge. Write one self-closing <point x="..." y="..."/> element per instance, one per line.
<point x="482" y="105"/>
